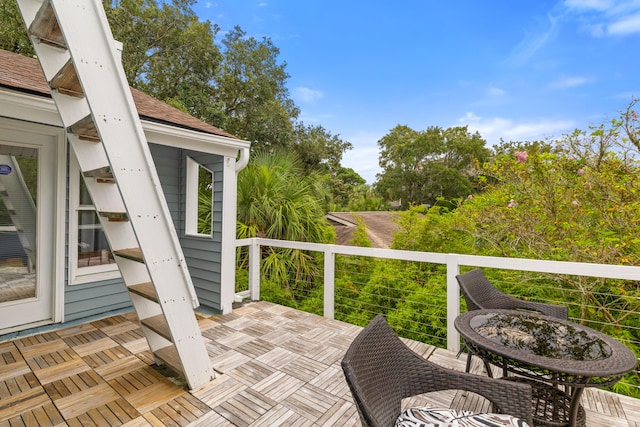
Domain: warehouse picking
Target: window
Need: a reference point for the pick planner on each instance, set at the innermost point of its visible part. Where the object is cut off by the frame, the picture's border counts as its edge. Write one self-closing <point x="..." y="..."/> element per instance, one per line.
<point x="90" y="257"/>
<point x="199" y="199"/>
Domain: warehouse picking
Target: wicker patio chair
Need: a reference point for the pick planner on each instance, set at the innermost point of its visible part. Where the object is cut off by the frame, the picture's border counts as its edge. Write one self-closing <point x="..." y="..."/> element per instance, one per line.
<point x="381" y="371"/>
<point x="480" y="294"/>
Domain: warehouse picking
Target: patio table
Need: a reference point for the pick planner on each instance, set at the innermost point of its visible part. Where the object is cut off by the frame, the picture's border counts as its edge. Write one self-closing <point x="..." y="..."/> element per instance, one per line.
<point x="557" y="357"/>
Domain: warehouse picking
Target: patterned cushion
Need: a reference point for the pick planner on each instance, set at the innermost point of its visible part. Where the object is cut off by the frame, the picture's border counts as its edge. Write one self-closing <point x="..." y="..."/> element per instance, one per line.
<point x="431" y="417"/>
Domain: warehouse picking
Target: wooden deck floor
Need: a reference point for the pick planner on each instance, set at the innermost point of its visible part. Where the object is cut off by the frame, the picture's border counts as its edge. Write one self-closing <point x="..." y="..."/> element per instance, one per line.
<point x="275" y="365"/>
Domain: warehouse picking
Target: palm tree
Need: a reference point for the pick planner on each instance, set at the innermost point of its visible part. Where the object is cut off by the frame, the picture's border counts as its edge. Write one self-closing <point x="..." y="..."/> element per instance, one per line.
<point x="277" y="200"/>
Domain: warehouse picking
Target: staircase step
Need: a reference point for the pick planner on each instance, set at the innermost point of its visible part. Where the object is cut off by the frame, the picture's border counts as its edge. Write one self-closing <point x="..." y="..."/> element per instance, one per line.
<point x="102" y="175"/>
<point x="46" y="28"/>
<point x="169" y="355"/>
<point x="158" y="324"/>
<point x="66" y="81"/>
<point x="134" y="254"/>
<point x="115" y="216"/>
<point x="145" y="290"/>
<point x="86" y="130"/>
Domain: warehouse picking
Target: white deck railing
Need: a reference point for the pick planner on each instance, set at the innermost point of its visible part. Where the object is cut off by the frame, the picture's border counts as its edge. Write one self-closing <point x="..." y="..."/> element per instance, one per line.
<point x="453" y="263"/>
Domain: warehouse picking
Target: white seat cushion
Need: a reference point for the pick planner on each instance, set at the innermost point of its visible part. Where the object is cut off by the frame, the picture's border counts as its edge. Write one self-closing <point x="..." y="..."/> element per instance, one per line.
<point x="436" y="417"/>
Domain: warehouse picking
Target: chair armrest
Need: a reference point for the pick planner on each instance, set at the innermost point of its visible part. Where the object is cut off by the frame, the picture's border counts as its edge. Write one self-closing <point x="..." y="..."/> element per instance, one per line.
<point x="557" y="311"/>
<point x="507" y="399"/>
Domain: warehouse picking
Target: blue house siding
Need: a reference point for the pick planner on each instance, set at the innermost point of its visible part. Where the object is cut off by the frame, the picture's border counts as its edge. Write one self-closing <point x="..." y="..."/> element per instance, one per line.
<point x="202" y="254"/>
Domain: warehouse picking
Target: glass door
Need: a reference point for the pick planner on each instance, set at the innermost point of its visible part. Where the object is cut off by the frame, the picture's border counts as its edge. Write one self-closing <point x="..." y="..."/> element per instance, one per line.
<point x="27" y="224"/>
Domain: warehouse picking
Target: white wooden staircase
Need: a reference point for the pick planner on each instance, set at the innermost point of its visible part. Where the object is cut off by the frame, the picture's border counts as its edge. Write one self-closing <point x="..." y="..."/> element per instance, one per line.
<point x="79" y="58"/>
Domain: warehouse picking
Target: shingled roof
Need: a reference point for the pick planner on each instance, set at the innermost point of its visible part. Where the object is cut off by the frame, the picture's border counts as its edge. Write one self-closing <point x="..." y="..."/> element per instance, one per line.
<point x="24" y="74"/>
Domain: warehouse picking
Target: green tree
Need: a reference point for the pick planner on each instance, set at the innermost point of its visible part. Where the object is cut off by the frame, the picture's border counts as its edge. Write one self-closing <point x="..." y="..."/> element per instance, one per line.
<point x="419" y="167"/>
<point x="277" y="200"/>
<point x="169" y="53"/>
<point x="13" y="35"/>
<point x="318" y="149"/>
<point x="251" y="89"/>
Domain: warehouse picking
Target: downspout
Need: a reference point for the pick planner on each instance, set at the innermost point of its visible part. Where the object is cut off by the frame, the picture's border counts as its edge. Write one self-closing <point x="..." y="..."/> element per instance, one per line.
<point x="243" y="161"/>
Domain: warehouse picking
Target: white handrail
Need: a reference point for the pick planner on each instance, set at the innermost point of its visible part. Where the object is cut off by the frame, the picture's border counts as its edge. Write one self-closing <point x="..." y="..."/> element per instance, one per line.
<point x="452" y="261"/>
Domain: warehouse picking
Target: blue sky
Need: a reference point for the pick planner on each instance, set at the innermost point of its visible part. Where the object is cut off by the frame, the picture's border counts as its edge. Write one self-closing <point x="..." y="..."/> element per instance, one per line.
<point x="512" y="69"/>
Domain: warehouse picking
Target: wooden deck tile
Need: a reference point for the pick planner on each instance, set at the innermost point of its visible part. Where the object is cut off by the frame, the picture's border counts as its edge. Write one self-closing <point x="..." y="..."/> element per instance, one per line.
<point x="332" y="380"/>
<point x="72" y="384"/>
<point x="310" y="401"/>
<point x="43" y="348"/>
<point x="12" y="364"/>
<point x="17" y="384"/>
<point x="25" y="402"/>
<point x="115" y="369"/>
<point x="76" y="404"/>
<point x="326" y="354"/>
<point x="206" y="323"/>
<point x="36" y="339"/>
<point x="218" y="390"/>
<point x="96" y="346"/>
<point x="120" y="328"/>
<point x="251" y="372"/>
<point x="245" y="407"/>
<point x="278" y="357"/>
<point x="255" y="348"/>
<point x="61" y="370"/>
<point x="146" y="389"/>
<point x="218" y="332"/>
<point x="229" y="360"/>
<point x="107" y="355"/>
<point x="128" y="335"/>
<point x="280" y="415"/>
<point x="278" y="386"/>
<point x="342" y="413"/>
<point x="299" y="345"/>
<point x="257" y="330"/>
<point x="180" y="411"/>
<point x="235" y="340"/>
<point x="84" y="328"/>
<point x="304" y="368"/>
<point x="84" y="337"/>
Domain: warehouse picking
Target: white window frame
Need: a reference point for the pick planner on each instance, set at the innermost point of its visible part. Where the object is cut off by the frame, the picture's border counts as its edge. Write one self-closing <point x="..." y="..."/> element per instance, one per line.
<point x="191" y="202"/>
<point x="82" y="275"/>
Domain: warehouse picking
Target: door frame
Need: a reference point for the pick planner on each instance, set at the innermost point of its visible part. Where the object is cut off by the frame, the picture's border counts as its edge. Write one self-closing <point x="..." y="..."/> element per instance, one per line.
<point x="51" y="235"/>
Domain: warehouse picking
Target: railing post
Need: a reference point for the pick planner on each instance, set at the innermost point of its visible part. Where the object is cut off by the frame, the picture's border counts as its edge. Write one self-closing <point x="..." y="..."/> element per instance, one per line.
<point x="329" y="282"/>
<point x="254" y="270"/>
<point x="453" y="302"/>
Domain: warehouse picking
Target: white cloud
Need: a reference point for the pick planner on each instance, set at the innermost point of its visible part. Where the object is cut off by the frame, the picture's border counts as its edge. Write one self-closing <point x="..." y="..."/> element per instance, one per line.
<point x="306" y="94"/>
<point x="626" y="25"/>
<point x="533" y="41"/>
<point x="589" y="4"/>
<point x="495" y="92"/>
<point x="492" y="129"/>
<point x="569" y="82"/>
<point x="607" y="17"/>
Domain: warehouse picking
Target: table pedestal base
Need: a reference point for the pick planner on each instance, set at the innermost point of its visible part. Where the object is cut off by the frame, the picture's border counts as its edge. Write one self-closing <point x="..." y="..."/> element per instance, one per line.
<point x="551" y="407"/>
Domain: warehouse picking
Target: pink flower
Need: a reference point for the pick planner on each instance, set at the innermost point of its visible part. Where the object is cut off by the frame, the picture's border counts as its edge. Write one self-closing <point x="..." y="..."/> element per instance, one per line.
<point x="512" y="204"/>
<point x="470" y="196"/>
<point x="580" y="171"/>
<point x="575" y="202"/>
<point x="521" y="156"/>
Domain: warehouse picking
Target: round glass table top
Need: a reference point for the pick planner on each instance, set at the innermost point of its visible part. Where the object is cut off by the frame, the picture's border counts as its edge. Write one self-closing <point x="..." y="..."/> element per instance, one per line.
<point x="540" y="337"/>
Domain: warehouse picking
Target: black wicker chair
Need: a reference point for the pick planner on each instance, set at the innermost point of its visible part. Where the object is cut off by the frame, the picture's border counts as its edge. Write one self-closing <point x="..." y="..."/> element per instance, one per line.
<point x="480" y="294"/>
<point x="381" y="371"/>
